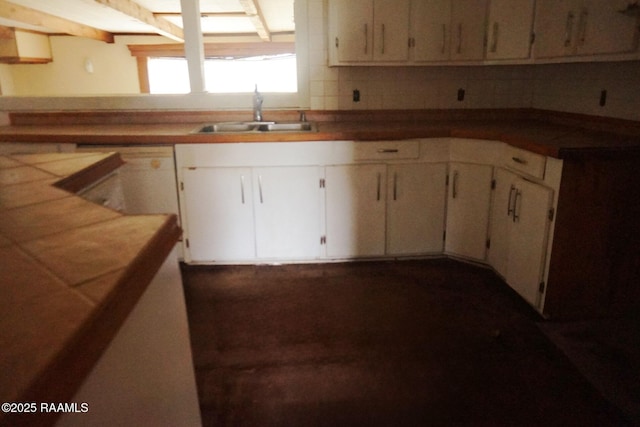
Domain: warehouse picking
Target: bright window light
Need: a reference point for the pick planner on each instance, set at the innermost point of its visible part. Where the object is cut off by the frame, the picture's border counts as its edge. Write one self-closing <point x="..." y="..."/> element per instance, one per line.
<point x="227" y="75"/>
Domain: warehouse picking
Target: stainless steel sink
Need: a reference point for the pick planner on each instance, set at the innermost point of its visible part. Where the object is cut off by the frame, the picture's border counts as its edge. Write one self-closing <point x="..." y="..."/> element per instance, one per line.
<point x="247" y="127"/>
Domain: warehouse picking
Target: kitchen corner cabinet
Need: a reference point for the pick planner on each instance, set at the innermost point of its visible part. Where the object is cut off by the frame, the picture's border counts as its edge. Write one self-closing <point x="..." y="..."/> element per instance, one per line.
<point x="584" y="27"/>
<point x="355" y="210"/>
<point x="521" y="215"/>
<point x="368" y="31"/>
<point x="510" y="29"/>
<point x="469" y="196"/>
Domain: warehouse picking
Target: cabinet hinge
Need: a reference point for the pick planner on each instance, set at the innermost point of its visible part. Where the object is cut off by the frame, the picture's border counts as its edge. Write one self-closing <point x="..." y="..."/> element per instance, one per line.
<point x="322" y="183"/>
<point x="186" y="241"/>
<point x="444" y="235"/>
<point x="323" y="240"/>
<point x="488" y="244"/>
<point x="337" y="42"/>
<point x="541" y="287"/>
<point x="552" y="214"/>
<point x="181" y="186"/>
<point x="446" y="181"/>
<point x="493" y="184"/>
<point x="533" y="38"/>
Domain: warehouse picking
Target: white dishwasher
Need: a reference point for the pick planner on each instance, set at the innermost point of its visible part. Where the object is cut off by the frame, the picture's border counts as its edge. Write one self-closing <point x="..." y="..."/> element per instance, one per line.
<point x="148" y="177"/>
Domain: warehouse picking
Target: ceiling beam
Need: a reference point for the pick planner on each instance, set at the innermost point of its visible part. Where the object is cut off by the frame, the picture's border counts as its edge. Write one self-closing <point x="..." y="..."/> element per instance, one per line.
<point x="37" y="18"/>
<point x="253" y="11"/>
<point x="134" y="10"/>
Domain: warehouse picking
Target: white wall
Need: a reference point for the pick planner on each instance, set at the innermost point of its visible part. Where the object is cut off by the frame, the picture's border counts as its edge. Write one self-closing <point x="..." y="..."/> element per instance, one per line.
<point x="576" y="88"/>
<point x="114" y="70"/>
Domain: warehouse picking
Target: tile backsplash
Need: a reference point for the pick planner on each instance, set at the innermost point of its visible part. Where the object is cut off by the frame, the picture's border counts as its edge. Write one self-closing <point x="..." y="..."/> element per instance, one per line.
<point x="575" y="87"/>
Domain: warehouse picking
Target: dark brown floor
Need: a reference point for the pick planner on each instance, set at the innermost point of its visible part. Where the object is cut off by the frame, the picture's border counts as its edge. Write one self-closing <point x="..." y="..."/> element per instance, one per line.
<point x="404" y="343"/>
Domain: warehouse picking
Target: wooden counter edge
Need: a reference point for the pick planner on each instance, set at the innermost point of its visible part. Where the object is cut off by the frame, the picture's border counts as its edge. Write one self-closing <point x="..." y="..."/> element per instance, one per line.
<point x="66" y="373"/>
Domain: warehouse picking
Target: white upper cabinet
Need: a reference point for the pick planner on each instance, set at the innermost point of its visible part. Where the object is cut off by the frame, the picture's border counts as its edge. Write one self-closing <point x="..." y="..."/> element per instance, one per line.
<point x="448" y="30"/>
<point x="368" y="31"/>
<point x="468" y="22"/>
<point x="431" y="30"/>
<point x="584" y="27"/>
<point x="510" y="29"/>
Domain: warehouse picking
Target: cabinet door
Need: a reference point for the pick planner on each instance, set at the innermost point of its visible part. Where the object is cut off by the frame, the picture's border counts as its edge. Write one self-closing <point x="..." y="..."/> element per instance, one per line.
<point x="355" y="210"/>
<point x="468" y="209"/>
<point x="556" y="27"/>
<point x="431" y="30"/>
<point x="352" y="29"/>
<point x="218" y="214"/>
<point x="604" y="30"/>
<point x="391" y="30"/>
<point x="468" y="29"/>
<point x="287" y="212"/>
<point x="510" y="28"/>
<point x="416" y="198"/>
<point x="528" y="239"/>
<point x="501" y="220"/>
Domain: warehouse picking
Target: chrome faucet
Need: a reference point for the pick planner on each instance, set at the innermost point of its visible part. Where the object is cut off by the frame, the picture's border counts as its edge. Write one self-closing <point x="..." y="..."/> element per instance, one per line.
<point x="257" y="105"/>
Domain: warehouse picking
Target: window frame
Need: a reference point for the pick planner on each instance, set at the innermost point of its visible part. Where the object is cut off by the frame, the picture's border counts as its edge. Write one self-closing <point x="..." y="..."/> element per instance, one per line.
<point x="142" y="53"/>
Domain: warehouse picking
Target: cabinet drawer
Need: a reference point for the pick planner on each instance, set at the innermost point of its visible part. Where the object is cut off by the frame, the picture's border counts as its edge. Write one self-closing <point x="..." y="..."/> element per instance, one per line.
<point x="386" y="150"/>
<point x="525" y="161"/>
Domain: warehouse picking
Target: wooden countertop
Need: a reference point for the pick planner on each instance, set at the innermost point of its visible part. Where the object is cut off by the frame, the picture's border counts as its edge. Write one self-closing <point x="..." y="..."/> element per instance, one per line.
<point x="71" y="271"/>
<point x="548" y="133"/>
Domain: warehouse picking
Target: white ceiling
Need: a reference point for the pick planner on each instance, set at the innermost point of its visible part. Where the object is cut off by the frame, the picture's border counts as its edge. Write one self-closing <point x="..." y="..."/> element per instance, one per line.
<point x="219" y="16"/>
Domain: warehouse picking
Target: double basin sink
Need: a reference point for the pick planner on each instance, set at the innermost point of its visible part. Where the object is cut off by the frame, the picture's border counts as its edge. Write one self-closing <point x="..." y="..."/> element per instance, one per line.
<point x="251" y="127"/>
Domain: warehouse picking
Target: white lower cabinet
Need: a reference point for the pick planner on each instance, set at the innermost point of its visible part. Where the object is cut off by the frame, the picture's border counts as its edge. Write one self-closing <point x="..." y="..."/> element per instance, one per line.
<point x="242" y="214"/>
<point x="416" y="195"/>
<point x="468" y="210"/>
<point x="217" y="214"/>
<point x="287" y="203"/>
<point x="355" y="210"/>
<point x="520" y="219"/>
<point x="273" y="202"/>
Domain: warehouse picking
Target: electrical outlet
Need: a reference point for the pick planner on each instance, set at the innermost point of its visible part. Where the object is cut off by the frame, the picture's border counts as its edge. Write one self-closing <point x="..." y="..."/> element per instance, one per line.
<point x="356" y="95"/>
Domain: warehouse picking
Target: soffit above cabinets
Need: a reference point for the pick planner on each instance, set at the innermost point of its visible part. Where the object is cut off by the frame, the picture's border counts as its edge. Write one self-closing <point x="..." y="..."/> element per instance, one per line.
<point x="102" y="19"/>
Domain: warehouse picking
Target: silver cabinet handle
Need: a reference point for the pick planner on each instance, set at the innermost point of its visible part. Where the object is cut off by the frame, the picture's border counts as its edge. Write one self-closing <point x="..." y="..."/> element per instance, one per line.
<point x="395" y="186"/>
<point x="494" y="42"/>
<point x="366" y="38"/>
<point x="455" y="185"/>
<point x="387" y="150"/>
<point x="582" y="29"/>
<point x="459" y="48"/>
<point x="382" y="48"/>
<point x="444" y="37"/>
<point x="242" y="188"/>
<point x="378" y="188"/>
<point x="260" y="188"/>
<point x="509" y="205"/>
<point x="568" y="29"/>
<point x="519" y="160"/>
<point x="516" y="214"/>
